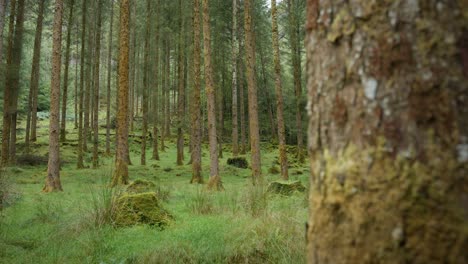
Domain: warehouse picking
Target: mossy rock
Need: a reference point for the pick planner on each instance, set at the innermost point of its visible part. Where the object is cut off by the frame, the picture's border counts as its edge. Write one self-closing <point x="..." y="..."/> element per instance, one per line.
<point x="140" y="208"/>
<point x="239" y="162"/>
<point x="141" y="186"/>
<point x="285" y="187"/>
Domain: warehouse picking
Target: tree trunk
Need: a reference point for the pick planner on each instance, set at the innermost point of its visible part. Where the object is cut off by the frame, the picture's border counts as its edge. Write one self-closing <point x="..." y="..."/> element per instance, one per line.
<point x="121" y="168"/>
<point x="196" y="102"/>
<point x="13" y="86"/>
<point x="34" y="85"/>
<point x="53" y="166"/>
<point x="266" y="93"/>
<point x="97" y="63"/>
<point x="146" y="87"/>
<point x="75" y="99"/>
<point x="252" y="96"/>
<point x="80" y="159"/>
<point x="167" y="128"/>
<point x="163" y="94"/>
<point x="215" y="180"/>
<point x="65" y="78"/>
<point x="387" y="132"/>
<point x="156" y="90"/>
<point x="6" y="122"/>
<point x="3" y="7"/>
<point x="181" y="95"/>
<point x="279" y="93"/>
<point x="89" y="81"/>
<point x="235" y="54"/>
<point x="109" y="81"/>
<point x="296" y="61"/>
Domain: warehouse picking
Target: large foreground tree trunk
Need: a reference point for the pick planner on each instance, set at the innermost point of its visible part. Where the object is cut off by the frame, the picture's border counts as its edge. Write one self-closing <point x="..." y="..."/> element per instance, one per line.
<point x="121" y="164"/>
<point x="53" y="166"/>
<point x="388" y="101"/>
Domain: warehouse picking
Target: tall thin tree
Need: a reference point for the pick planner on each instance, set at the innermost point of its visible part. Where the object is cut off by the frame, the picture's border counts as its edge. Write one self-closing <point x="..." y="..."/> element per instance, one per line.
<point x="80" y="158"/>
<point x="279" y="93"/>
<point x="252" y="95"/>
<point x="181" y="89"/>
<point x="109" y="80"/>
<point x="196" y="101"/>
<point x="144" y="131"/>
<point x="63" y="123"/>
<point x="215" y="179"/>
<point x="53" y="167"/>
<point x="235" y="110"/>
<point x="120" y="175"/>
<point x="34" y="84"/>
<point x="97" y="63"/>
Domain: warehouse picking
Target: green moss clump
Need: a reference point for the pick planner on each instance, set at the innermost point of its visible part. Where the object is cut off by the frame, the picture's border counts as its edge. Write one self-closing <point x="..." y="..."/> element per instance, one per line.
<point x="285" y="187"/>
<point x="141" y="208"/>
<point x="141" y="186"/>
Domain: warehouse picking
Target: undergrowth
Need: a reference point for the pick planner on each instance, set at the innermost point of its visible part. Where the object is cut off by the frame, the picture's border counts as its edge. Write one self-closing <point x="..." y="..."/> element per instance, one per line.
<point x="242" y="224"/>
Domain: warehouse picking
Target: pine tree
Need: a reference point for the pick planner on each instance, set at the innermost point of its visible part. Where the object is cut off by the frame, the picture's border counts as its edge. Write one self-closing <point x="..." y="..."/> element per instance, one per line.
<point x="121" y="164"/>
<point x="53" y="167"/>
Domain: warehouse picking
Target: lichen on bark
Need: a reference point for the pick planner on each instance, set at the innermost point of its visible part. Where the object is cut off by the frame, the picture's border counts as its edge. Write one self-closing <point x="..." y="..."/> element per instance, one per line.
<point x="387" y="107"/>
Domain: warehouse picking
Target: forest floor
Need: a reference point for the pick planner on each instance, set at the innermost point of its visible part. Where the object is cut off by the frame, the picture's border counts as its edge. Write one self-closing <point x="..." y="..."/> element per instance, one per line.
<point x="242" y="224"/>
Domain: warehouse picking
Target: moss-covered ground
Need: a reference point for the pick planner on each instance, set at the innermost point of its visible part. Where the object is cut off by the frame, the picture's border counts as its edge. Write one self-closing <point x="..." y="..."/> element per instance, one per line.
<point x="242" y="224"/>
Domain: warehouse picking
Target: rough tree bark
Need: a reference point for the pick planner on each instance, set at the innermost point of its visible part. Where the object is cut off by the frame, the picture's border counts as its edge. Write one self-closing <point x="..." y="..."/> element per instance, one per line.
<point x="109" y="81"/>
<point x="163" y="94"/>
<point x="121" y="164"/>
<point x="6" y="122"/>
<point x="214" y="182"/>
<point x="181" y="88"/>
<point x="235" y="110"/>
<point x="63" y="123"/>
<point x="279" y="93"/>
<point x="53" y="167"/>
<point x="387" y="89"/>
<point x="97" y="63"/>
<point x="34" y="84"/>
<point x="3" y="6"/>
<point x="12" y="82"/>
<point x="296" y="61"/>
<point x="252" y="95"/>
<point x="144" y="131"/>
<point x="80" y="158"/>
<point x="196" y="102"/>
<point x="157" y="81"/>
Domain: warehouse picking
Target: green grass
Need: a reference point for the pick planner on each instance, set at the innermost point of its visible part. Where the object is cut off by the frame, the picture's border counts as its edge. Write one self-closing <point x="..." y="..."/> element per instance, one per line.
<point x="243" y="224"/>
